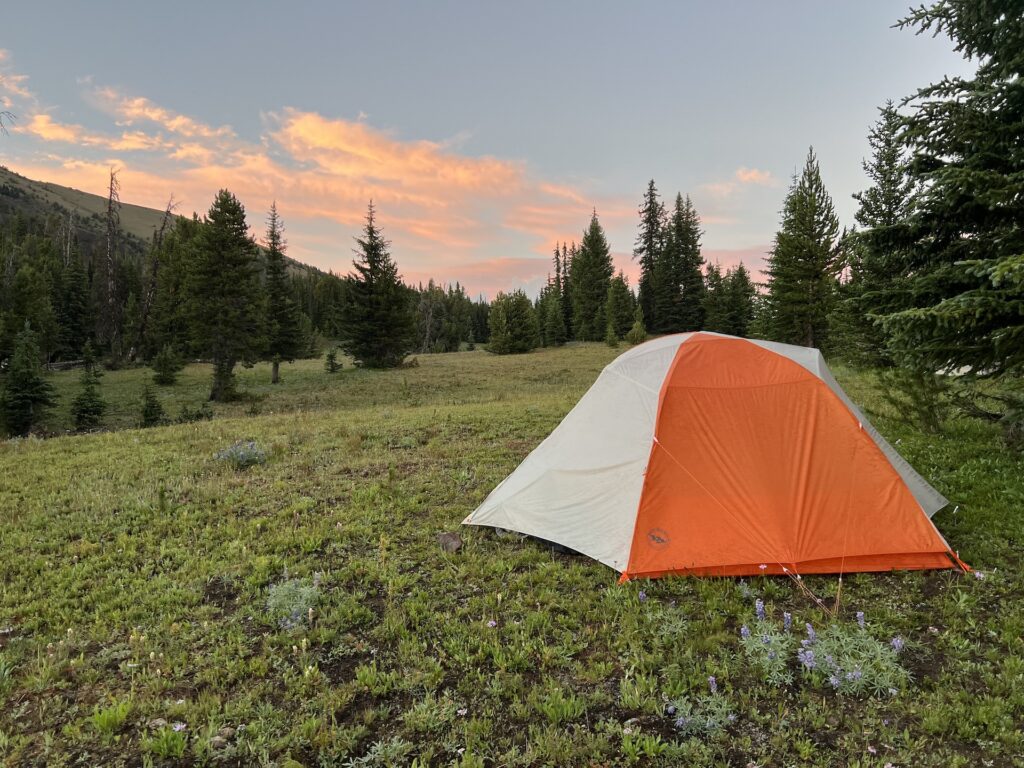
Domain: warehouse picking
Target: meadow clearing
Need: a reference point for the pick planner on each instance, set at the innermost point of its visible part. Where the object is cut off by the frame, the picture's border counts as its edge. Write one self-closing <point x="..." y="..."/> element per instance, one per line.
<point x="161" y="606"/>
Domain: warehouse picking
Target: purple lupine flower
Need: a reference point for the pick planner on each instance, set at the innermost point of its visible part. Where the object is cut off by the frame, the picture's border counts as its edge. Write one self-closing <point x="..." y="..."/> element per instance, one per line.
<point x="759" y="609"/>
<point x="744" y="631"/>
<point x="712" y="685"/>
<point x="806" y="658"/>
<point x="681" y="722"/>
<point x="854" y="676"/>
<point x="766" y="639"/>
<point x="979" y="575"/>
<point x="787" y="620"/>
<point x="772" y="655"/>
<point x="897" y="643"/>
<point x="810" y="633"/>
<point x="492" y="623"/>
<point x="670" y="710"/>
<point x="860" y="619"/>
<point x="178" y="727"/>
<point x="834" y="679"/>
<point x="641" y="596"/>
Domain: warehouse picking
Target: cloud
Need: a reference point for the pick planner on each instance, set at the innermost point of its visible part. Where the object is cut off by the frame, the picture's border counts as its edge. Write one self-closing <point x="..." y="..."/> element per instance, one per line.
<point x="742" y="177"/>
<point x="486" y="221"/>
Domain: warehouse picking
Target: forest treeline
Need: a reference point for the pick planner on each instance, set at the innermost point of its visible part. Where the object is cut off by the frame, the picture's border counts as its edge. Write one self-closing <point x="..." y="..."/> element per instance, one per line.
<point x="928" y="279"/>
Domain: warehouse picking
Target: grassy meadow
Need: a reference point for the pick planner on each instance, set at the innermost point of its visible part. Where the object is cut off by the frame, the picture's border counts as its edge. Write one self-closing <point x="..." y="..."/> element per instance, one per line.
<point x="160" y="606"/>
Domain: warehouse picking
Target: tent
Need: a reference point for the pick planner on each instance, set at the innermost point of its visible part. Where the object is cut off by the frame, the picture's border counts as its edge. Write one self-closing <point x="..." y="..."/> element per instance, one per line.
<point x="711" y="455"/>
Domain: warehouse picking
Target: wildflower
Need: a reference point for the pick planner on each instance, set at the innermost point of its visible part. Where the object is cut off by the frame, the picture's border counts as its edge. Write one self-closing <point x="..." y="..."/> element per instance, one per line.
<point x="744" y="631"/>
<point x="713" y="685"/>
<point x="642" y="596"/>
<point x="772" y="655"/>
<point x="834" y="680"/>
<point x="492" y="623"/>
<point x="854" y="676"/>
<point x="872" y="750"/>
<point x="731" y="718"/>
<point x="759" y="609"/>
<point x="860" y="619"/>
<point x="670" y="710"/>
<point x="806" y="658"/>
<point x="893" y="691"/>
<point x="178" y="727"/>
<point x="810" y="633"/>
<point x="979" y="575"/>
<point x="680" y="722"/>
<point x="897" y="643"/>
<point x="787" y="620"/>
<point x="461" y="712"/>
<point x="766" y="639"/>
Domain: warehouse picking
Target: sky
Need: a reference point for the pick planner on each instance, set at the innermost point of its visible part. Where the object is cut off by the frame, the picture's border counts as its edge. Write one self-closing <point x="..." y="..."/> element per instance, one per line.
<point x="484" y="132"/>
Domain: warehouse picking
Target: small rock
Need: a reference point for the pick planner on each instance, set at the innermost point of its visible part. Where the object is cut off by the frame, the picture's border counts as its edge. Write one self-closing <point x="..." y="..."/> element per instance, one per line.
<point x="218" y="742"/>
<point x="226" y="732"/>
<point x="450" y="542"/>
<point x="157" y="723"/>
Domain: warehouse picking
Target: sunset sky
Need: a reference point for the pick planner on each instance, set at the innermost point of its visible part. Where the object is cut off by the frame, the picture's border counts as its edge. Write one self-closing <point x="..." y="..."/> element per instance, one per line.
<point x="484" y="132"/>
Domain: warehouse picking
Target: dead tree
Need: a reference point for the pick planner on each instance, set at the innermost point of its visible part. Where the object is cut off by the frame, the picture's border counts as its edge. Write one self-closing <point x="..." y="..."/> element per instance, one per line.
<point x="154" y="270"/>
<point x="110" y="330"/>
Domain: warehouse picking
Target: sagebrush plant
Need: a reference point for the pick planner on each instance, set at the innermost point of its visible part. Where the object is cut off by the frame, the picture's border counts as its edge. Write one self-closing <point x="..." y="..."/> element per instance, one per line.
<point x="290" y="603"/>
<point x="243" y="454"/>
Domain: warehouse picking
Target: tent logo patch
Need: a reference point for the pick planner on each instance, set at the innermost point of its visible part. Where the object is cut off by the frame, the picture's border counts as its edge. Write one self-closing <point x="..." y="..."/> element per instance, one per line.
<point x="658" y="537"/>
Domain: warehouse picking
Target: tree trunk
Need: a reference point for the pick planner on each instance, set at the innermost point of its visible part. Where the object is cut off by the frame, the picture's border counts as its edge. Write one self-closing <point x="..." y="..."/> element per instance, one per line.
<point x="223" y="381"/>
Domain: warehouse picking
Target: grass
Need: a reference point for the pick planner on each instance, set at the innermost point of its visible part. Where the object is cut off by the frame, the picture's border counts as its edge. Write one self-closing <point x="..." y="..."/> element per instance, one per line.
<point x="159" y="606"/>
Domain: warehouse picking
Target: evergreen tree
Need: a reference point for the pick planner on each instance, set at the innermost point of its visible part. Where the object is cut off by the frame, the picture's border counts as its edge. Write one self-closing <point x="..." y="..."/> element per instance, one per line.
<point x="611" y="338"/>
<point x="649" y="242"/>
<point x="688" y="314"/>
<point x="964" y="242"/>
<point x="739" y="298"/>
<point x="226" y="297"/>
<point x="878" y="268"/>
<point x="619" y="305"/>
<point x="284" y="329"/>
<point x="74" y="315"/>
<point x="166" y="365"/>
<point x="567" y="257"/>
<point x="377" y="321"/>
<point x="591" y="269"/>
<point x="331" y="364"/>
<point x="554" y="323"/>
<point x="26" y="394"/>
<point x="513" y="324"/>
<point x="804" y="263"/>
<point x="152" y="413"/>
<point x="88" y="407"/>
<point x="716" y="304"/>
<point x="637" y="334"/>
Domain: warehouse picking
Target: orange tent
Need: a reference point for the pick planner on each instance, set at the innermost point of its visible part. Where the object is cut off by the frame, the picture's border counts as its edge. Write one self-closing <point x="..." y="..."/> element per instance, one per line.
<point x="713" y="455"/>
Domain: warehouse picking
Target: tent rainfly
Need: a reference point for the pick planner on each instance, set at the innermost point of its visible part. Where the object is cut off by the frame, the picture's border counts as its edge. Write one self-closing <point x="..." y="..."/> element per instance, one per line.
<point x="712" y="455"/>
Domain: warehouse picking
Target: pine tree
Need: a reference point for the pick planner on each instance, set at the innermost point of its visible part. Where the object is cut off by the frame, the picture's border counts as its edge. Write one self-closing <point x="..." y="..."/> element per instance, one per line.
<point x="804" y="263"/>
<point x="619" y="305"/>
<point x="88" y="407"/>
<point x="513" y="324"/>
<point x="878" y="267"/>
<point x="591" y="274"/>
<point x="226" y="297"/>
<point x="739" y="299"/>
<point x="611" y="338"/>
<point x="637" y="334"/>
<point x="73" y="311"/>
<point x="284" y="329"/>
<point x="567" y="257"/>
<point x="649" y="242"/>
<point x="716" y="304"/>
<point x="689" y="265"/>
<point x="554" y="323"/>
<point x="166" y="365"/>
<point x="377" y="321"/>
<point x="965" y="243"/>
<point x="152" y="413"/>
<point x="331" y="364"/>
<point x="26" y="394"/>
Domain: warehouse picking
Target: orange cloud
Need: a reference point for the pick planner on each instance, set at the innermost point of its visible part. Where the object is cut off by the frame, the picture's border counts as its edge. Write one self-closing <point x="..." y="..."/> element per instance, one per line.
<point x="131" y="110"/>
<point x="47" y="129"/>
<point x="755" y="176"/>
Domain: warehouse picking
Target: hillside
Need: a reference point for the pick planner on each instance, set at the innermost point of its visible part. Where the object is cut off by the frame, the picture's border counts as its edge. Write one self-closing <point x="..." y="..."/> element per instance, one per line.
<point x="28" y="197"/>
<point x="165" y="607"/>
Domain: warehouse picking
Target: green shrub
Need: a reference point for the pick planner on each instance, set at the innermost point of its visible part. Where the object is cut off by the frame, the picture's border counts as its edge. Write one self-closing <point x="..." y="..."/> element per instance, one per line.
<point x="166" y="365"/>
